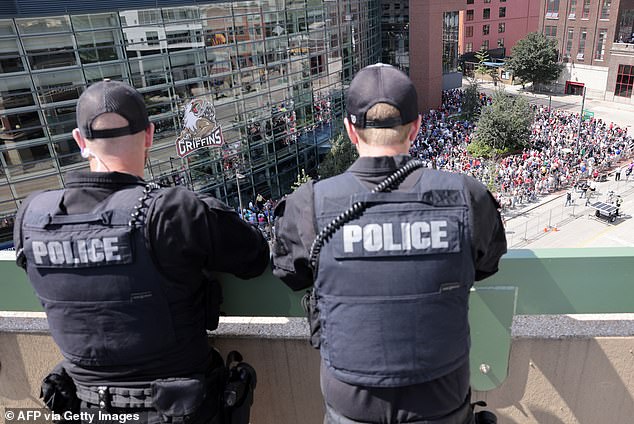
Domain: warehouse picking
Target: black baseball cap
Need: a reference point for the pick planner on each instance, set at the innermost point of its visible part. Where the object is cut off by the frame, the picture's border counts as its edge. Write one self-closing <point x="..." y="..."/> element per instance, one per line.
<point x="381" y="83"/>
<point x="111" y="97"/>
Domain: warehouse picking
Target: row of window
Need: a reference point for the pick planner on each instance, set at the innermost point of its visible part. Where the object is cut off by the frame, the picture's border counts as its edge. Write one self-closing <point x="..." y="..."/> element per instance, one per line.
<point x="486" y="13"/>
<point x="485" y="29"/>
<point x="624" y="81"/>
<point x="485" y="45"/>
<point x="552" y="9"/>
<point x="601" y="41"/>
<point x="275" y="77"/>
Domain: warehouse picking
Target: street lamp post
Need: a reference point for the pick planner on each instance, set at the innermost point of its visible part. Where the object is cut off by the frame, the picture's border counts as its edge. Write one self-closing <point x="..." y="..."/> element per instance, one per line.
<point x="238" y="176"/>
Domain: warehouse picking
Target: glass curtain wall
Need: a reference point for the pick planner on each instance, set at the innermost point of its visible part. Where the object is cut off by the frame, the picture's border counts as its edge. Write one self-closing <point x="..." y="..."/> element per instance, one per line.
<point x="275" y="71"/>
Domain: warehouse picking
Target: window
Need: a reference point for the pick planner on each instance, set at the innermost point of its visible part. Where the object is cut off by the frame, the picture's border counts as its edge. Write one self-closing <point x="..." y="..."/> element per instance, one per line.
<point x="149" y="16"/>
<point x="582" y="44"/>
<point x="571" y="34"/>
<point x="485" y="44"/>
<point x="487" y="1"/>
<point x="500" y="42"/>
<point x="600" y="50"/>
<point x="486" y="29"/>
<point x="605" y="9"/>
<point x="501" y="27"/>
<point x="624" y="81"/>
<point x="469" y="1"/>
<point x="573" y="9"/>
<point x="586" y="9"/>
<point x="502" y="12"/>
<point x="470" y="15"/>
<point x="468" y="47"/>
<point x="552" y="9"/>
<point x="469" y="31"/>
<point x="550" y="31"/>
<point x="152" y="38"/>
<point x="486" y="13"/>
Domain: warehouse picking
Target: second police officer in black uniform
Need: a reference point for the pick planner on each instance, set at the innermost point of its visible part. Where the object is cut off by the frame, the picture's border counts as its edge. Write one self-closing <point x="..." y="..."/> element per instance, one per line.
<point x="121" y="268"/>
<point x="392" y="262"/>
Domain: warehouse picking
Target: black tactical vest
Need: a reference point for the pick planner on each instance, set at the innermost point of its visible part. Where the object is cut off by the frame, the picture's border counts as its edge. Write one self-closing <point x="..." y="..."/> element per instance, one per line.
<point x="106" y="302"/>
<point x="392" y="285"/>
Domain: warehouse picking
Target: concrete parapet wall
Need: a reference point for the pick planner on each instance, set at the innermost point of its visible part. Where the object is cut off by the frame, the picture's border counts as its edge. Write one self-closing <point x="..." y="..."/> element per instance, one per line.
<point x="563" y="369"/>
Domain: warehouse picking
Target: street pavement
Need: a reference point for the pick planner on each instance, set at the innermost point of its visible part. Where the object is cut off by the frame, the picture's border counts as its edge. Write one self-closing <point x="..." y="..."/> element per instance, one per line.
<point x="547" y="223"/>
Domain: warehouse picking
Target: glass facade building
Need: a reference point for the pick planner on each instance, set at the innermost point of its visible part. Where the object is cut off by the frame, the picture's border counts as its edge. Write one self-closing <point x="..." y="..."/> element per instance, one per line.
<point x="275" y="71"/>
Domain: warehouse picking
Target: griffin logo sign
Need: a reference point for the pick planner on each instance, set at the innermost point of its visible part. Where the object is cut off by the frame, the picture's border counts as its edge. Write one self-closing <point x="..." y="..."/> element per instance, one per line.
<point x="200" y="128"/>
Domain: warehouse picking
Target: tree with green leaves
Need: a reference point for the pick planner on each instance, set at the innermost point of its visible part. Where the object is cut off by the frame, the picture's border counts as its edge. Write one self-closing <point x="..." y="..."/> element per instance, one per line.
<point x="534" y="59"/>
<point x="341" y="155"/>
<point x="482" y="56"/>
<point x="471" y="100"/>
<point x="504" y="126"/>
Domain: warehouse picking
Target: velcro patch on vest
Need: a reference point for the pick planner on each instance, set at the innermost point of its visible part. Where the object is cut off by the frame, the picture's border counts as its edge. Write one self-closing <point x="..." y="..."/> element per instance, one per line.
<point x="79" y="251"/>
<point x="402" y="233"/>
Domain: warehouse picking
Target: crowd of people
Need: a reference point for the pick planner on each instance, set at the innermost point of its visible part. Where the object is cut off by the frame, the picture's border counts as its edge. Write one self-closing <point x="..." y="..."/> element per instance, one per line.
<point x="563" y="154"/>
<point x="261" y="213"/>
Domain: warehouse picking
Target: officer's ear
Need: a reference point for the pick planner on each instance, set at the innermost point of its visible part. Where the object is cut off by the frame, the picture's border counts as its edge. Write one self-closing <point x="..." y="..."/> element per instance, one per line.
<point x="81" y="141"/>
<point x="413" y="130"/>
<point x="149" y="135"/>
<point x="352" y="131"/>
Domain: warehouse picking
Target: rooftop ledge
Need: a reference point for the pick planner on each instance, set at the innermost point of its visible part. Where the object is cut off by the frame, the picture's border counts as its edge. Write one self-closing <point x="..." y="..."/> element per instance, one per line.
<point x="523" y="326"/>
<point x="550" y="294"/>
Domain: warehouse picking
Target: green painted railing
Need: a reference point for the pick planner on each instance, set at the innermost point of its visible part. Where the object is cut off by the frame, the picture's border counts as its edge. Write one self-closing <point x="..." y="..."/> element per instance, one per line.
<point x="530" y="282"/>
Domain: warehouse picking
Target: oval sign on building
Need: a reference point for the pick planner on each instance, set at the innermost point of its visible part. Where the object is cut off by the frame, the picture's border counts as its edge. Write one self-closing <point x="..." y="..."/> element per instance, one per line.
<point x="200" y="128"/>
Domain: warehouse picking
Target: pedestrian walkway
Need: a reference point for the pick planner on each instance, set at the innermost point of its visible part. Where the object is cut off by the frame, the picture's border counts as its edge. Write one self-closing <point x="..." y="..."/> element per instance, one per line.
<point x="549" y="223"/>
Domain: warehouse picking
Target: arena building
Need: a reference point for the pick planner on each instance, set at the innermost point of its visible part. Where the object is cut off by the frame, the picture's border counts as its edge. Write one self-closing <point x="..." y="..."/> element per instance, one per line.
<point x="270" y="74"/>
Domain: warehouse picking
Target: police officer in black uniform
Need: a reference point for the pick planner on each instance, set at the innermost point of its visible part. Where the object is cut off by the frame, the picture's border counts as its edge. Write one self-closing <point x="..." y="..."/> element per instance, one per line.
<point x="122" y="266"/>
<point x="394" y="265"/>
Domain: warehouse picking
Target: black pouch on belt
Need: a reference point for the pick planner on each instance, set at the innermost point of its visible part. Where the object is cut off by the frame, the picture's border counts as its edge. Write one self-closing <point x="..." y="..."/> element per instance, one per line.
<point x="176" y="399"/>
<point x="238" y="393"/>
<point x="58" y="391"/>
<point x="309" y="304"/>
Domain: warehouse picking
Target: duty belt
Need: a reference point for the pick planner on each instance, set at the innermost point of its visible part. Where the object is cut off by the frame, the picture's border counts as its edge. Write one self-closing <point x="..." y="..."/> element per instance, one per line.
<point x="118" y="397"/>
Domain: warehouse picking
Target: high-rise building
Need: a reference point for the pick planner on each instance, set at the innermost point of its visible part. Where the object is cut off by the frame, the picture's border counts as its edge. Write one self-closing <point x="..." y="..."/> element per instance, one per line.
<point x="596" y="42"/>
<point x="274" y="70"/>
<point x="497" y="24"/>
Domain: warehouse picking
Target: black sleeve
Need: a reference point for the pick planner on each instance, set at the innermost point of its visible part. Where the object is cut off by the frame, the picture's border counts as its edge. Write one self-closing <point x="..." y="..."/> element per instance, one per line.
<point x="17" y="229"/>
<point x="294" y="234"/>
<point x="487" y="231"/>
<point x="189" y="233"/>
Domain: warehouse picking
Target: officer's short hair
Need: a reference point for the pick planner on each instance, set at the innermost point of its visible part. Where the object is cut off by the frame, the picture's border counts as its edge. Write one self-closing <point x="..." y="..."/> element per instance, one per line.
<point x="111" y="97"/>
<point x="384" y="136"/>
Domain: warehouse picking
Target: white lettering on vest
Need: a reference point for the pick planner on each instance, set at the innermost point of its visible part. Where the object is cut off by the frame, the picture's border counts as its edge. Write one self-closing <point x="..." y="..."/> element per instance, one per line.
<point x="110" y="249"/>
<point x="372" y="237"/>
<point x="73" y="252"/>
<point x="39" y="251"/>
<point x="419" y="235"/>
<point x="56" y="252"/>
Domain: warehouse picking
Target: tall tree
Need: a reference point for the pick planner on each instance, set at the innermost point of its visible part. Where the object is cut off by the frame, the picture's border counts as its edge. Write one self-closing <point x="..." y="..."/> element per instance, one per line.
<point x="471" y="100"/>
<point x="534" y="59"/>
<point x="503" y="127"/>
<point x="341" y="155"/>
